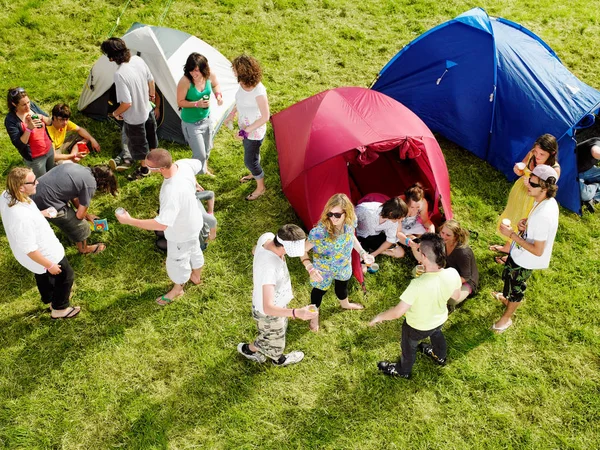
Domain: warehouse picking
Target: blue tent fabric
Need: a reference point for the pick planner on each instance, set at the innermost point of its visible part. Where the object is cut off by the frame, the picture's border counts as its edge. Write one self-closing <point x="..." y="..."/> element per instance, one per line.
<point x="507" y="87"/>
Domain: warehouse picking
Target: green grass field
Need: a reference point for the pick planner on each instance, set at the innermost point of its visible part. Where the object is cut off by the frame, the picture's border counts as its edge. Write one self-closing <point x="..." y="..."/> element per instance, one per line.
<point x="130" y="374"/>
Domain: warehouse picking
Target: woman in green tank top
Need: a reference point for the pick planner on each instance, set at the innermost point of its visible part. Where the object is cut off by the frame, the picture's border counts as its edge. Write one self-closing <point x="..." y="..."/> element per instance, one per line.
<point x="193" y="97"/>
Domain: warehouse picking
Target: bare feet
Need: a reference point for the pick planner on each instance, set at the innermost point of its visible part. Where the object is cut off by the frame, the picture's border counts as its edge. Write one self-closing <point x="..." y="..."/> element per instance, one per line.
<point x="195" y="278"/>
<point x="345" y="304"/>
<point x="97" y="248"/>
<point x="396" y="252"/>
<point x="246" y="178"/>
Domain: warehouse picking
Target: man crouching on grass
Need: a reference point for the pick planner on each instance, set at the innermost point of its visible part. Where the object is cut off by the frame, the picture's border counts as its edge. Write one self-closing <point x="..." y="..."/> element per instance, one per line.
<point x="424" y="304"/>
<point x="271" y="294"/>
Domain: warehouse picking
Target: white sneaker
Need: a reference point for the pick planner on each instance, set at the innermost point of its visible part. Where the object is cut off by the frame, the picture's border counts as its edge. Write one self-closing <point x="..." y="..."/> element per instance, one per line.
<point x="291" y="358"/>
<point x="256" y="356"/>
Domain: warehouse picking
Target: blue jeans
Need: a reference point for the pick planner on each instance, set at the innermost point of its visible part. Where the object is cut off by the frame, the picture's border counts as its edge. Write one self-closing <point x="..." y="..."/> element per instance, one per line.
<point x="589" y="184"/>
<point x="252" y="158"/>
<point x="199" y="138"/>
<point x="41" y="164"/>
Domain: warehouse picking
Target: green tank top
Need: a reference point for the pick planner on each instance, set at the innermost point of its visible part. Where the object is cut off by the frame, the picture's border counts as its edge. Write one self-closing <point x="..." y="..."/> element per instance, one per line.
<point x="191" y="115"/>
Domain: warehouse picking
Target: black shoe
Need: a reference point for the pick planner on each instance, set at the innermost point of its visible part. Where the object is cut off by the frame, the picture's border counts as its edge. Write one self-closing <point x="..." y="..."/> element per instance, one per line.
<point x="390" y="369"/>
<point x="138" y="173"/>
<point x="428" y="351"/>
<point x="589" y="205"/>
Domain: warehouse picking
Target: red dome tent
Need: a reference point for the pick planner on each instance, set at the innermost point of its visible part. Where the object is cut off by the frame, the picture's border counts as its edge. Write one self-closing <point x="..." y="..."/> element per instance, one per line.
<point x="356" y="141"/>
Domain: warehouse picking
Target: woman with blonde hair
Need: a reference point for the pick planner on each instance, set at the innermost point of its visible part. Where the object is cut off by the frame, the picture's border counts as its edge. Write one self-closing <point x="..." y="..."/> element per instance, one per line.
<point x="332" y="241"/>
<point x="460" y="257"/>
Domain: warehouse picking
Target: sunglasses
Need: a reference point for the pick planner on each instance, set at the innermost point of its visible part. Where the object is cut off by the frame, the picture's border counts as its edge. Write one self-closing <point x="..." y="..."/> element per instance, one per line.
<point x="534" y="185"/>
<point x="14" y="92"/>
<point x="31" y="182"/>
<point x="336" y="215"/>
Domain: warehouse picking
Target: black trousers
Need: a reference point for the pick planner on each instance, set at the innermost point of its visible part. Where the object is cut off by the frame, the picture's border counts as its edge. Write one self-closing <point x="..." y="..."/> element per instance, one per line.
<point x="56" y="289"/>
<point x="372" y="243"/>
<point x="341" y="292"/>
<point x="411" y="338"/>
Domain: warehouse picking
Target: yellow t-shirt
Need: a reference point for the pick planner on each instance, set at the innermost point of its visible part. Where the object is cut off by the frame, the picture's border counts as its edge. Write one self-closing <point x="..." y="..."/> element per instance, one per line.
<point x="428" y="296"/>
<point x="58" y="136"/>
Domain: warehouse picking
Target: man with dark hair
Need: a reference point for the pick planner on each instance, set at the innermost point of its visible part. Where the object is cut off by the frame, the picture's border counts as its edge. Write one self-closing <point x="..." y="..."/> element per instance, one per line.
<point x="588" y="156"/>
<point x="180" y="217"/>
<point x="72" y="183"/>
<point x="64" y="146"/>
<point x="532" y="247"/>
<point x="424" y="304"/>
<point x="135" y="91"/>
<point x="378" y="226"/>
<point x="271" y="294"/>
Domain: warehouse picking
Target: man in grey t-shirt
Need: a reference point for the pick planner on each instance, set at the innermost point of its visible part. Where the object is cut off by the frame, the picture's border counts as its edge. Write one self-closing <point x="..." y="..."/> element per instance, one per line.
<point x="73" y="183"/>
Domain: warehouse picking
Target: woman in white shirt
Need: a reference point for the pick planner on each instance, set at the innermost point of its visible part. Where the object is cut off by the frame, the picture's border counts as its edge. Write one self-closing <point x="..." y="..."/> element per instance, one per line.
<point x="252" y="107"/>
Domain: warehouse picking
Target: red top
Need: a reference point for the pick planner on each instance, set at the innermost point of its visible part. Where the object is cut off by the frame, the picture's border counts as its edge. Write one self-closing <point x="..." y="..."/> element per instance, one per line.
<point x="39" y="142"/>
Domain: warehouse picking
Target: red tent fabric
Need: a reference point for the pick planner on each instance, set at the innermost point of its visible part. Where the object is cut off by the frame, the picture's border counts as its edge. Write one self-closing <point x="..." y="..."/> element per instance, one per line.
<point x="356" y="141"/>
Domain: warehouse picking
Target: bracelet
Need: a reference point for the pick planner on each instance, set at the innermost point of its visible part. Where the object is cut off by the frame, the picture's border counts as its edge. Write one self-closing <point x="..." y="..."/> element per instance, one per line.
<point x="30" y="131"/>
<point x="48" y="268"/>
<point x="218" y="96"/>
<point x="311" y="270"/>
<point x="406" y="241"/>
<point x="294" y="313"/>
<point x="305" y="259"/>
<point x="196" y="104"/>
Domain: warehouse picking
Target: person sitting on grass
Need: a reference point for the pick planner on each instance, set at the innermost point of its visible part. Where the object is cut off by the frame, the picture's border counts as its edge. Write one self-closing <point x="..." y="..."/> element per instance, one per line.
<point x="332" y="241"/>
<point x="64" y="145"/>
<point x="378" y="226"/>
<point x="532" y="247"/>
<point x="35" y="245"/>
<point x="588" y="157"/>
<point x="417" y="219"/>
<point x="424" y="304"/>
<point x="72" y="183"/>
<point x="180" y="217"/>
<point x="271" y="294"/>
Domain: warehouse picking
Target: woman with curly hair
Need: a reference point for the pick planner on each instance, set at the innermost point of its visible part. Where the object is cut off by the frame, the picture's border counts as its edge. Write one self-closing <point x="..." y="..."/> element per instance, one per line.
<point x="332" y="241"/>
<point x="252" y="107"/>
<point x="193" y="97"/>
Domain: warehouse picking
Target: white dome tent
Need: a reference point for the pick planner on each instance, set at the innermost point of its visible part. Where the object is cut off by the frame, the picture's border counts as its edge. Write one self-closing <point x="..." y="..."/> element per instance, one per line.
<point x="165" y="51"/>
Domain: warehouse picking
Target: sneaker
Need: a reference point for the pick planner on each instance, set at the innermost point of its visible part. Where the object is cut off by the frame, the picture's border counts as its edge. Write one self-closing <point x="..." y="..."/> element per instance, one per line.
<point x="291" y="358"/>
<point x="138" y="173"/>
<point x="244" y="350"/>
<point x="391" y="369"/>
<point x="589" y="205"/>
<point x="428" y="351"/>
<point x="118" y="165"/>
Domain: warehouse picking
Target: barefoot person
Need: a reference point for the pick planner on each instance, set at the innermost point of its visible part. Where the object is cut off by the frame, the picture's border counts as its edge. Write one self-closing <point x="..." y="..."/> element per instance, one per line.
<point x="424" y="304"/>
<point x="72" y="183"/>
<point x="532" y="247"/>
<point x="271" y="294"/>
<point x="180" y="218"/>
<point x="252" y="107"/>
<point x="34" y="244"/>
<point x="332" y="241"/>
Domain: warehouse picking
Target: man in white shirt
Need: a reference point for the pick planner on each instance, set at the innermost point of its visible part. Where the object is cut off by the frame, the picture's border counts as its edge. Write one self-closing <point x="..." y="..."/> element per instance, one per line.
<point x="34" y="244"/>
<point x="135" y="90"/>
<point x="532" y="246"/>
<point x="180" y="218"/>
<point x="378" y="226"/>
<point x="271" y="294"/>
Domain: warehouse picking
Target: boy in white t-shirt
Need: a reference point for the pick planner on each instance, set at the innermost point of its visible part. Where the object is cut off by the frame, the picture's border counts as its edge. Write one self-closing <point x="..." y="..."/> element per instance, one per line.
<point x="271" y="294"/>
<point x="180" y="218"/>
<point x="532" y="247"/>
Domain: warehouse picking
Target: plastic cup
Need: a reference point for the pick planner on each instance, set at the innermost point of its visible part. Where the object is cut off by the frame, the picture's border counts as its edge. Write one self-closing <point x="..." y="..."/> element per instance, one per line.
<point x="506" y="222"/>
<point x="373" y="268"/>
<point x="419" y="270"/>
<point x="521" y="165"/>
<point x="119" y="211"/>
<point x="82" y="148"/>
<point x="52" y="212"/>
<point x="312" y="308"/>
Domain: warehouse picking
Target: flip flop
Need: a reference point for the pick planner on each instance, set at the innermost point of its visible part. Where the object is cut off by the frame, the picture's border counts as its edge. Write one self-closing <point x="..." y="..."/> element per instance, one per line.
<point x="500" y="260"/>
<point x="253" y="197"/>
<point x="73" y="311"/>
<point x="246" y="178"/>
<point x="164" y="300"/>
<point x="496" y="248"/>
<point x="100" y="247"/>
<point x="500" y="330"/>
<point x="498" y="296"/>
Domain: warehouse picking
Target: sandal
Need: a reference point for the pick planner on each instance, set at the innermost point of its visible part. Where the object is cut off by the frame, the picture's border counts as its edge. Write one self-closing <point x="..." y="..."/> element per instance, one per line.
<point x="498" y="296"/>
<point x="100" y="247"/>
<point x="163" y="300"/>
<point x="246" y="178"/>
<point x="73" y="311"/>
<point x="254" y="196"/>
<point x="500" y="260"/>
<point x="496" y="248"/>
<point x="500" y="330"/>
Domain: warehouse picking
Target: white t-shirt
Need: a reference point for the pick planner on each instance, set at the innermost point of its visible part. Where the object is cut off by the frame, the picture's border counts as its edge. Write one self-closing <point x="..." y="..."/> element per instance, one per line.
<point x="368" y="215"/>
<point x="542" y="224"/>
<point x="179" y="209"/>
<point x="268" y="268"/>
<point x="131" y="83"/>
<point x="27" y="231"/>
<point x="248" y="111"/>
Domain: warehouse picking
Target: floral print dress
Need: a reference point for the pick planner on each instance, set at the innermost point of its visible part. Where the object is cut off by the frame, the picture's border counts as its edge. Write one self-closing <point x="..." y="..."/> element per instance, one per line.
<point x="332" y="255"/>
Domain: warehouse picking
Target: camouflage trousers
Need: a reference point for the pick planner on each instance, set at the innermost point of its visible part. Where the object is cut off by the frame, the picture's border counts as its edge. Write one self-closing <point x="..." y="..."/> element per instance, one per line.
<point x="515" y="280"/>
<point x="271" y="334"/>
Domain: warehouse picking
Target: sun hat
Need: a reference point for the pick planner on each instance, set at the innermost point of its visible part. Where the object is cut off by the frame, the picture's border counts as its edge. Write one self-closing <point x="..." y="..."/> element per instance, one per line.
<point x="544" y="172"/>
<point x="293" y="249"/>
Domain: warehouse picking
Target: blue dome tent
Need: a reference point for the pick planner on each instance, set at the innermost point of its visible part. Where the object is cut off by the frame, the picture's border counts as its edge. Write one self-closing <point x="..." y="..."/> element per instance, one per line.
<point x="492" y="86"/>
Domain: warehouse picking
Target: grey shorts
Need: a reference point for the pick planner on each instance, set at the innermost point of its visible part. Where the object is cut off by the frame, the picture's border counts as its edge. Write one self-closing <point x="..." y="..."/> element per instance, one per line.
<point x="76" y="230"/>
